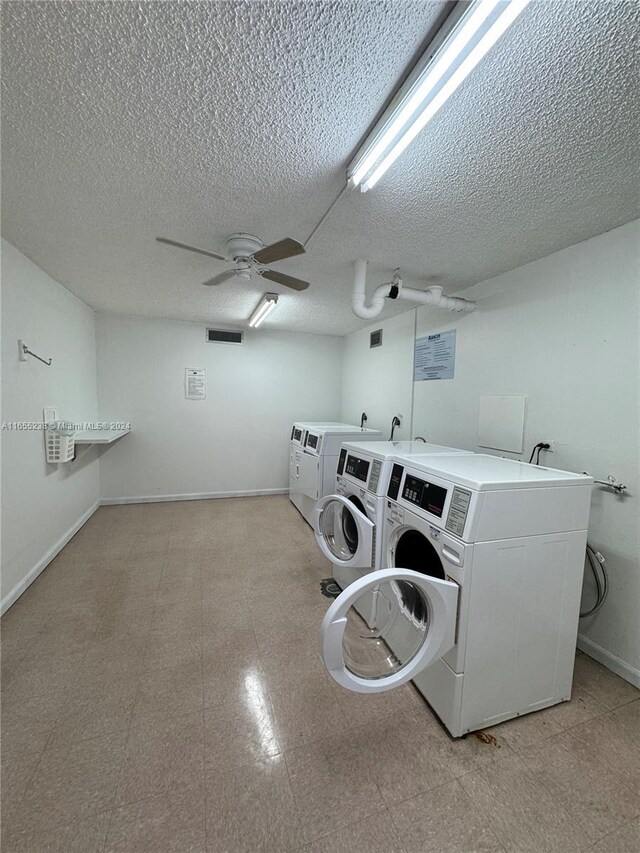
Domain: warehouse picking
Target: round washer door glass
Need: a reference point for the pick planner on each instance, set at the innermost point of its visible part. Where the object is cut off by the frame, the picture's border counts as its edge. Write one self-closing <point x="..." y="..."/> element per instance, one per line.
<point x="374" y="635"/>
<point x="350" y="524"/>
<point x="345" y="535"/>
<point x="386" y="627"/>
<point x="341" y="529"/>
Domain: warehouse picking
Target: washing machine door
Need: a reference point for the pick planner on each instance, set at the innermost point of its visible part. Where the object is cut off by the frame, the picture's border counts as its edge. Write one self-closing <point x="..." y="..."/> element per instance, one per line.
<point x="411" y="624"/>
<point x="344" y="533"/>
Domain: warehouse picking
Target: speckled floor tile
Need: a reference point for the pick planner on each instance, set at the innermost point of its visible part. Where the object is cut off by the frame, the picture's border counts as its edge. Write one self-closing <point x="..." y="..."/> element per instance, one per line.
<point x="251" y="809"/>
<point x="596" y="793"/>
<point x="624" y="840"/>
<point x="525" y="730"/>
<point x="74" y="781"/>
<point x="100" y="710"/>
<point x="402" y="757"/>
<point x="581" y="708"/>
<point x="238" y="734"/>
<point x="169" y="692"/>
<point x="615" y="738"/>
<point x="444" y="820"/>
<point x="306" y="709"/>
<point x="173" y="822"/>
<point x="22" y="735"/>
<point x="86" y="835"/>
<point x="16" y="771"/>
<point x="161" y="755"/>
<point x="374" y="834"/>
<point x="190" y="632"/>
<point x="521" y="812"/>
<point x="604" y="686"/>
<point x="362" y="708"/>
<point x="332" y="784"/>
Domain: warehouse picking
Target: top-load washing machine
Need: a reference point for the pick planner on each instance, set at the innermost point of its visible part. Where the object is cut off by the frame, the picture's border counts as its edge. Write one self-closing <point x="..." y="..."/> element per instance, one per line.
<point x="348" y="523"/>
<point x="479" y="599"/>
<point x="313" y="457"/>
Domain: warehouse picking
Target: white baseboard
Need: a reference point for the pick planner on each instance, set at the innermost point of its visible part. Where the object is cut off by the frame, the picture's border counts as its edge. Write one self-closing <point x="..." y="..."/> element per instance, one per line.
<point x="42" y="564"/>
<point x="611" y="661"/>
<point x="198" y="496"/>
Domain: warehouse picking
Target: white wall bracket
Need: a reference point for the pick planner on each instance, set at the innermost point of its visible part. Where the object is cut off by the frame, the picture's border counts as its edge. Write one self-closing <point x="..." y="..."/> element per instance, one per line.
<point x="24" y="351"/>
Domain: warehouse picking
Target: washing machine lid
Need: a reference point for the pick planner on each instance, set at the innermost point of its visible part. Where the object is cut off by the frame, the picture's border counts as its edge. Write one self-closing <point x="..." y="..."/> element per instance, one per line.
<point x="339" y="429"/>
<point x="386" y="449"/>
<point x="482" y="472"/>
<point x="343" y="532"/>
<point x="382" y="644"/>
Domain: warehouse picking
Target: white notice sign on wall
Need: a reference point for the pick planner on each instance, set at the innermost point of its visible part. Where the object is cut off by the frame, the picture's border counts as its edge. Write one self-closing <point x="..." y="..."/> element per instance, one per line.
<point x="195" y="384"/>
<point x="435" y="356"/>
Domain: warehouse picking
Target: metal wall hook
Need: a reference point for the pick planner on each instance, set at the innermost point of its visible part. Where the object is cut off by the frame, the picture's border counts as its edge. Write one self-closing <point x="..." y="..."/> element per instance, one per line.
<point x="24" y="351"/>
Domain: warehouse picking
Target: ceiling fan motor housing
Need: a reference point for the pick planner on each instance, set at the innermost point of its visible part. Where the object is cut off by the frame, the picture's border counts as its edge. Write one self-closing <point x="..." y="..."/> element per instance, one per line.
<point x="241" y="246"/>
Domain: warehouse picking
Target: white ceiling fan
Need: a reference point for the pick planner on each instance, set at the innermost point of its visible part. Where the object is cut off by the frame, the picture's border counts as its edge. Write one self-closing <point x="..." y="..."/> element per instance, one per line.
<point x="249" y="255"/>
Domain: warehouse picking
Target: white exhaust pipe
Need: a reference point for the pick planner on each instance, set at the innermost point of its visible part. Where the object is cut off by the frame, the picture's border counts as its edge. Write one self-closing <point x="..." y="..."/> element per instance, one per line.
<point x="432" y="296"/>
<point x="367" y="312"/>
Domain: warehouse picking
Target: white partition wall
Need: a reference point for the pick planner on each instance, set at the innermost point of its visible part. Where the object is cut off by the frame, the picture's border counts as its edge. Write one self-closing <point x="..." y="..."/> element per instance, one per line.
<point x="42" y="504"/>
<point x="234" y="441"/>
<point x="378" y="380"/>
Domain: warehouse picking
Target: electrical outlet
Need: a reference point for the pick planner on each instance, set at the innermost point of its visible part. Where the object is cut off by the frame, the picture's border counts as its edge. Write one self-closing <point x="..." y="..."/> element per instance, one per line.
<point x="551" y="448"/>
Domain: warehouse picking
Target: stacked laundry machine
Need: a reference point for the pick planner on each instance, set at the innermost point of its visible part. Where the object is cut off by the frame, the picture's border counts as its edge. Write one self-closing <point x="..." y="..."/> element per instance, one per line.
<point x="467" y="581"/>
<point x="313" y="457"/>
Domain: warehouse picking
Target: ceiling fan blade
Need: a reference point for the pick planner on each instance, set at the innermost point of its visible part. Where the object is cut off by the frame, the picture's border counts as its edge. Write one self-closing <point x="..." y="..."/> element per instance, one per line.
<point x="189" y="248"/>
<point x="287" y="280"/>
<point x="220" y="278"/>
<point x="286" y="248"/>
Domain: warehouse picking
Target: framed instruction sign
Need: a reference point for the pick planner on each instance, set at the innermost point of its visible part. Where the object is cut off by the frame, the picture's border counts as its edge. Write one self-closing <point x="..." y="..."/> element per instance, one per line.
<point x="195" y="384"/>
<point x="435" y="356"/>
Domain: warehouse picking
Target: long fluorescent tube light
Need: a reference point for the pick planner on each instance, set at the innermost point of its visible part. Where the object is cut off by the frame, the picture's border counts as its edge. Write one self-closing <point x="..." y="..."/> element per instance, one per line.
<point x="263" y="309"/>
<point x="473" y="36"/>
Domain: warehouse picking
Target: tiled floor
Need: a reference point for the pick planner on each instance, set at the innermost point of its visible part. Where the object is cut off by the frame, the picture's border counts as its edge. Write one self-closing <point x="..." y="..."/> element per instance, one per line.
<point x="162" y="691"/>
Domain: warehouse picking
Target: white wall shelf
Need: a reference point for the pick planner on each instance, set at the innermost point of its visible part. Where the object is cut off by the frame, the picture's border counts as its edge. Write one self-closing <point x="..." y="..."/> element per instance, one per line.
<point x="99" y="436"/>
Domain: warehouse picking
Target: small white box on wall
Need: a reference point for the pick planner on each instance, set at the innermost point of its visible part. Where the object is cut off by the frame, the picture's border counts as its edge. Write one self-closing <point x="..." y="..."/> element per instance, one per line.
<point x="501" y="423"/>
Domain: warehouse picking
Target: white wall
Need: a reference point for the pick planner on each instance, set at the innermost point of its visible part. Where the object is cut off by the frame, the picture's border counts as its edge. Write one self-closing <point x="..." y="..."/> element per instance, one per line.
<point x="42" y="504"/>
<point x="234" y="441"/>
<point x="377" y="381"/>
<point x="564" y="332"/>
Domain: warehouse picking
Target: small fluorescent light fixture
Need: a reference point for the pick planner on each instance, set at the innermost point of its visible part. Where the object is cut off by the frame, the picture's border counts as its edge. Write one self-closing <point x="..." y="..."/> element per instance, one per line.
<point x="263" y="309"/>
<point x="432" y="82"/>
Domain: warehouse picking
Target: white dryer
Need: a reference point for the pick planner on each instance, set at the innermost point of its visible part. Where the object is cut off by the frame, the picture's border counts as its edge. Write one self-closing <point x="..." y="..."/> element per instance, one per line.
<point x="479" y="599"/>
<point x="348" y="523"/>
<point x="313" y="458"/>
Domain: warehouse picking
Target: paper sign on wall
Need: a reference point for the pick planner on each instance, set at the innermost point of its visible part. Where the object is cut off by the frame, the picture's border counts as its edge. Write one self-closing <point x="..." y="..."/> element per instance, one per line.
<point x="195" y="384"/>
<point x="435" y="356"/>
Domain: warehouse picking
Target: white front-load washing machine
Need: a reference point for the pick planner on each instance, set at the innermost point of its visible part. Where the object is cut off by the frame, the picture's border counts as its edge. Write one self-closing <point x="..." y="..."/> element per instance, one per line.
<point x="313" y="458"/>
<point x="348" y="523"/>
<point x="479" y="599"/>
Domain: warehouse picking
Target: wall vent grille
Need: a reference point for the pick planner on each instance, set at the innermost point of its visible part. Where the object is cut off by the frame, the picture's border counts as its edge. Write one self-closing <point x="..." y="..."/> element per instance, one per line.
<point x="375" y="339"/>
<point x="224" y="336"/>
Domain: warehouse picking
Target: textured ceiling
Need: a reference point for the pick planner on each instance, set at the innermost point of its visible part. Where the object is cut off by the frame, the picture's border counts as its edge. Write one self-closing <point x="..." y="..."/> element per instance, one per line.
<point x="122" y="121"/>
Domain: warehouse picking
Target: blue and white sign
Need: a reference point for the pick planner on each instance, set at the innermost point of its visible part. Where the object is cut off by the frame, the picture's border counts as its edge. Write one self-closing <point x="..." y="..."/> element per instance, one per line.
<point x="435" y="356"/>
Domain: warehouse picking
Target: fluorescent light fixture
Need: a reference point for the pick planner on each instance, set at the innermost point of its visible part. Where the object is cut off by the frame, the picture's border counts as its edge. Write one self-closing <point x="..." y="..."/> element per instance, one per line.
<point x="432" y="83"/>
<point x="263" y="309"/>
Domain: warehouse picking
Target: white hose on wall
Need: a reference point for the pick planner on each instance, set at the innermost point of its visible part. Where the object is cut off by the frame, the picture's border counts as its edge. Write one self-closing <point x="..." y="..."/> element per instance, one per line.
<point x="433" y="296"/>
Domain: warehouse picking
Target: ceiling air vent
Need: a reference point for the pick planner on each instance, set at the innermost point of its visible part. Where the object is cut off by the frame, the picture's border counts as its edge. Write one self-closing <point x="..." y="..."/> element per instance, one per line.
<point x="224" y="336"/>
<point x="375" y="339"/>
